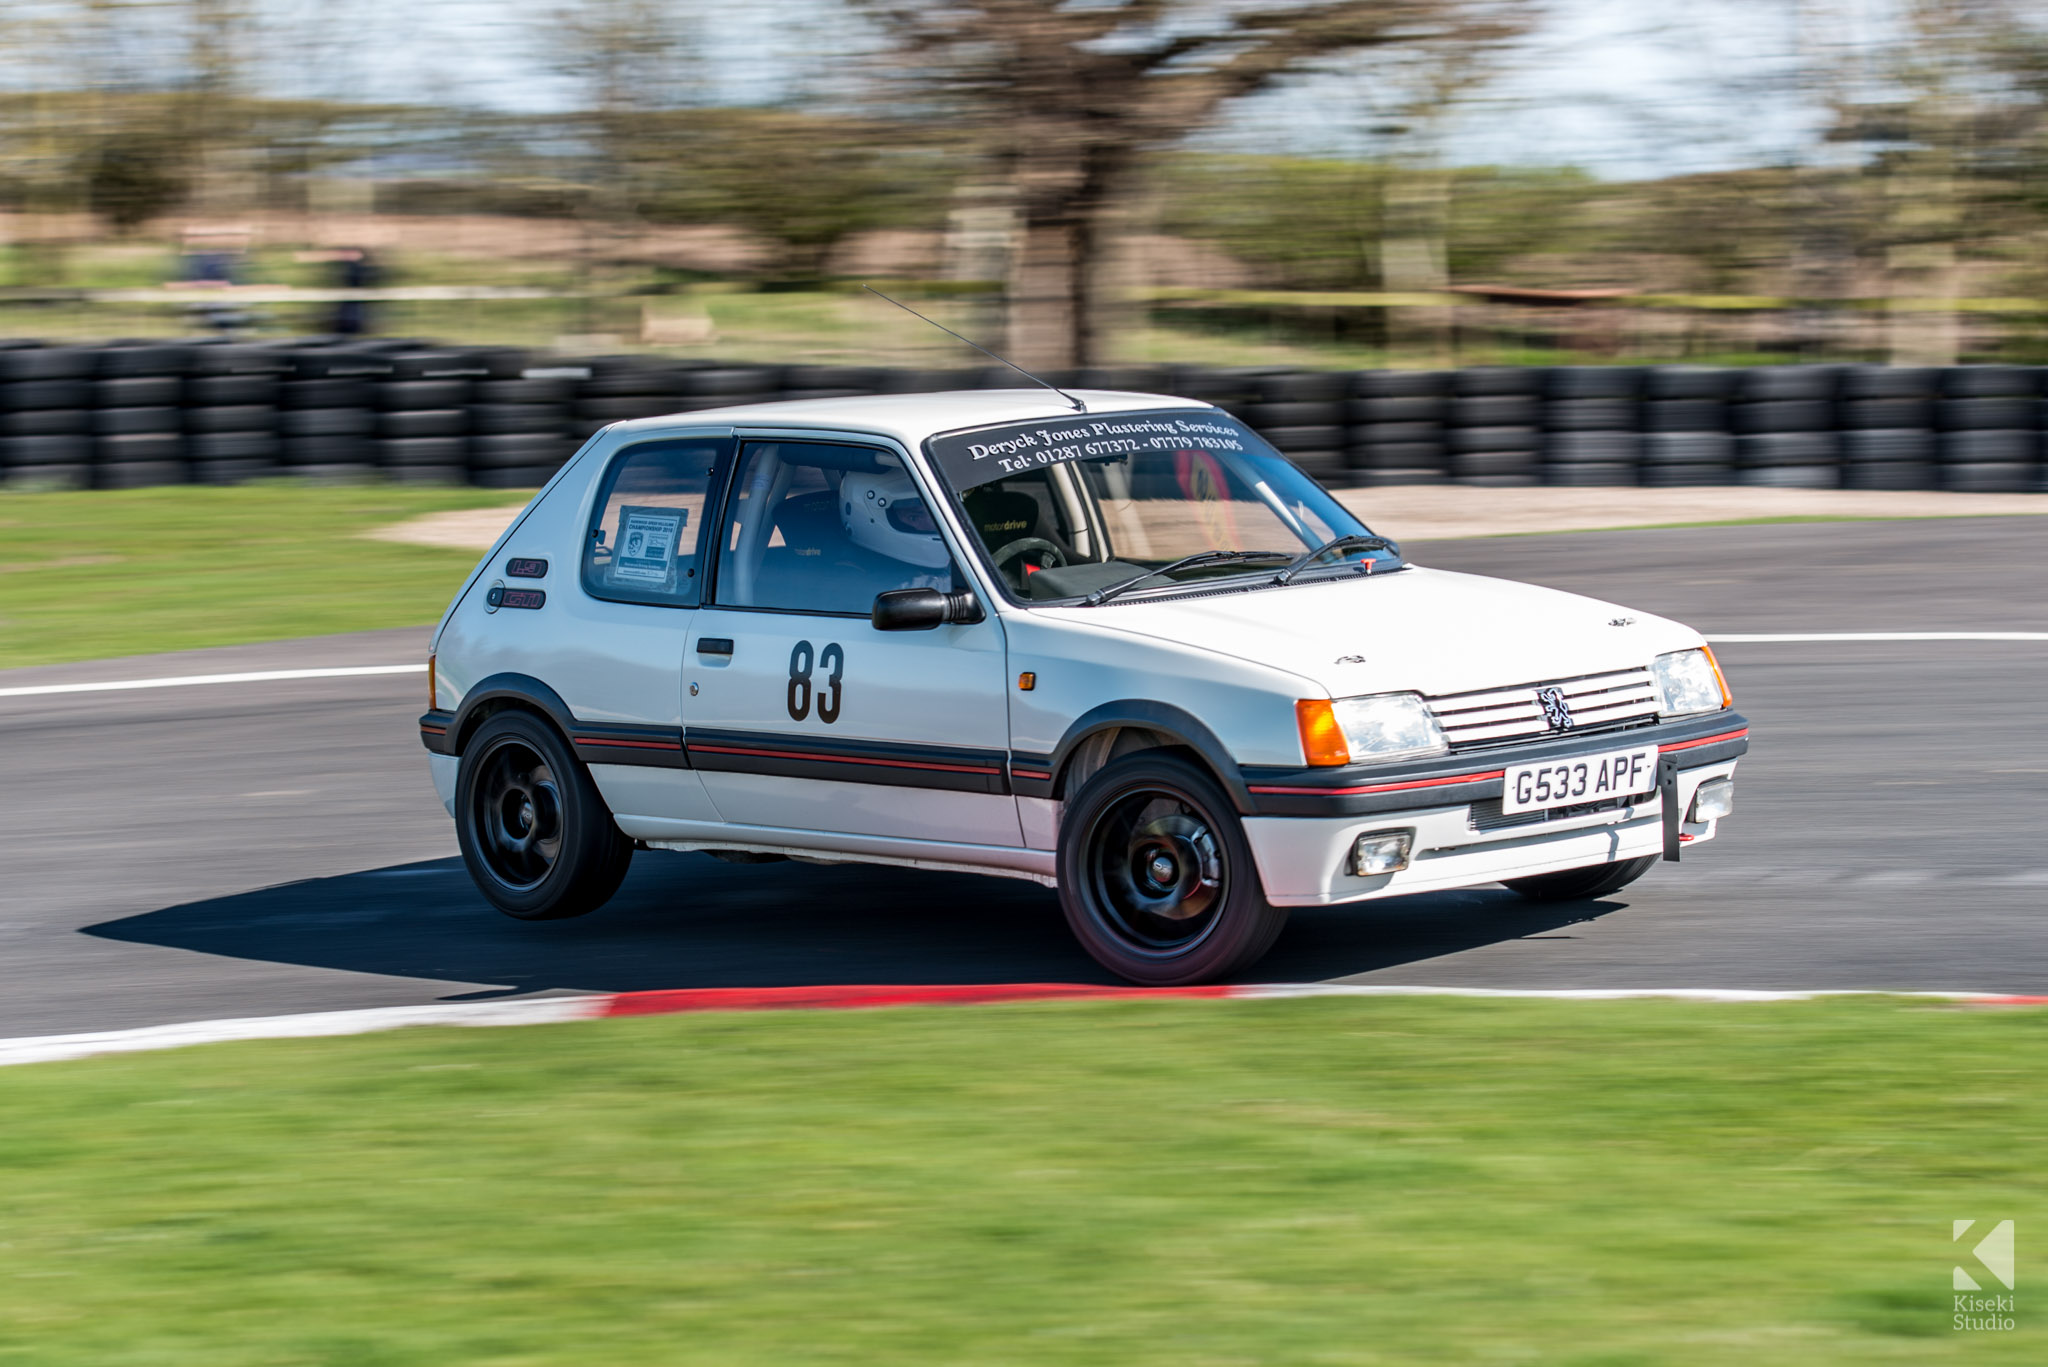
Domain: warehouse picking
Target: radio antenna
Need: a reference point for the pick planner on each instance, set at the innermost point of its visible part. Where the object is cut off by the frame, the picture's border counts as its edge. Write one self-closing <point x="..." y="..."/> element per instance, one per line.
<point x="1079" y="407"/>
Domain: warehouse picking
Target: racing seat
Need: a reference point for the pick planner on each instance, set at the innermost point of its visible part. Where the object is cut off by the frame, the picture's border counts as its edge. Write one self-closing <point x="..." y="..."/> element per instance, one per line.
<point x="817" y="566"/>
<point x="1001" y="516"/>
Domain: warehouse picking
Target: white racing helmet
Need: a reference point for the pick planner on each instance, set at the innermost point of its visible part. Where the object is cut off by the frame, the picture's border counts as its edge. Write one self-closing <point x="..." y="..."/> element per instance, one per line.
<point x="884" y="513"/>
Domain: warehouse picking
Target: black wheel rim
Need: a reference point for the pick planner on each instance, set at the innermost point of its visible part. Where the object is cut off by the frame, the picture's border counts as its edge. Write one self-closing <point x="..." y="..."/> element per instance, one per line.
<point x="1157" y="871"/>
<point x="516" y="813"/>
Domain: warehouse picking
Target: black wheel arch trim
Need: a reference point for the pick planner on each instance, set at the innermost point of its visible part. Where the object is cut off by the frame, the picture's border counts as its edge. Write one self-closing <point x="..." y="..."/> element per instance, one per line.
<point x="1143" y="714"/>
<point x="523" y="689"/>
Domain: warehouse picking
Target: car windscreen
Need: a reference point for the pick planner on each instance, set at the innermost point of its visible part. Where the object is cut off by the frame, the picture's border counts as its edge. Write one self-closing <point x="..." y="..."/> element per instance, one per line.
<point x="1063" y="507"/>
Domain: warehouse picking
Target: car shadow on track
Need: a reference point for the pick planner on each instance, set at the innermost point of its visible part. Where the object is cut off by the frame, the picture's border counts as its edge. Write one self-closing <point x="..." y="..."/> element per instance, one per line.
<point x="686" y="920"/>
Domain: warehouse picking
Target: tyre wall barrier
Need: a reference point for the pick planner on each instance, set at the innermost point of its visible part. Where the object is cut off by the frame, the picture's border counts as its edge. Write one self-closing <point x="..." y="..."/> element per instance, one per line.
<point x="123" y="415"/>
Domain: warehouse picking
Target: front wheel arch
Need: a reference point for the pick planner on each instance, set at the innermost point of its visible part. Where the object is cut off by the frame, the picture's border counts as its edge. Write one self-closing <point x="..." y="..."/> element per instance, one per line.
<point x="1107" y="733"/>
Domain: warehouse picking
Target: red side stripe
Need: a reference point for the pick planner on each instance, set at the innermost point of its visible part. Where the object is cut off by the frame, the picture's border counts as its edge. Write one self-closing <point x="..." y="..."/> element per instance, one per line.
<point x="632" y="744"/>
<point x="867" y="995"/>
<point x="1707" y="740"/>
<point x="844" y="759"/>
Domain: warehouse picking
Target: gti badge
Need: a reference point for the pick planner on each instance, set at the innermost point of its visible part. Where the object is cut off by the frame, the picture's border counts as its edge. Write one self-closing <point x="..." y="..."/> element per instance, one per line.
<point x="1556" y="710"/>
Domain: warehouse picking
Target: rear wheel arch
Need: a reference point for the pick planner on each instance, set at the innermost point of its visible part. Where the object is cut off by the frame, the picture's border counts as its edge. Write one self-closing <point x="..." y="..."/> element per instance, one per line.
<point x="505" y="692"/>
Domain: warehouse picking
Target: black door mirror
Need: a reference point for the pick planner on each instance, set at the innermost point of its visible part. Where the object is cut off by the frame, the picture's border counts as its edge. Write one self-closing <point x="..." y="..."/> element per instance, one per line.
<point x="922" y="609"/>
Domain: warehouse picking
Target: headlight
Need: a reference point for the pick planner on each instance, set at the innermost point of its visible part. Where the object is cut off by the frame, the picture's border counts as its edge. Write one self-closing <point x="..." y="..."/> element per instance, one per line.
<point x="1688" y="681"/>
<point x="1386" y="726"/>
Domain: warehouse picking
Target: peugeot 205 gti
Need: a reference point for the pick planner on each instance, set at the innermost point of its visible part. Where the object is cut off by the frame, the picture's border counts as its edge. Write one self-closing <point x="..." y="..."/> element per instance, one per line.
<point x="1128" y="652"/>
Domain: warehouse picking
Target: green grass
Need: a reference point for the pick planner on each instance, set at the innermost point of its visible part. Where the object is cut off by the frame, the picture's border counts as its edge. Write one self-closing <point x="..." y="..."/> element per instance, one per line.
<point x="88" y="575"/>
<point x="1131" y="1183"/>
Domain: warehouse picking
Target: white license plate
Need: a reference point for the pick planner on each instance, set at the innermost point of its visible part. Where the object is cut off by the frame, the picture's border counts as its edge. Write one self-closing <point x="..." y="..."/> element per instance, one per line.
<point x="1585" y="778"/>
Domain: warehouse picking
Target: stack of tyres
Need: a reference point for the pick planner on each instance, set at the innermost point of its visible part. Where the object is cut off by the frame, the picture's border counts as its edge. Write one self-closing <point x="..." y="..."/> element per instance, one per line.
<point x="1886" y="419"/>
<point x="1684" y="418"/>
<point x="1988" y="417"/>
<point x="1495" y="434"/>
<point x="621" y="388"/>
<point x="1591" y="425"/>
<point x="1302" y="414"/>
<point x="902" y="382"/>
<point x="138" y="418"/>
<point x="326" y="413"/>
<point x="1395" y="431"/>
<point x="423" y="416"/>
<point x="522" y="426"/>
<point x="1784" y="421"/>
<point x="1128" y="379"/>
<point x="829" y="381"/>
<point x="231" y="421"/>
<point x="46" y="417"/>
<point x="728" y="386"/>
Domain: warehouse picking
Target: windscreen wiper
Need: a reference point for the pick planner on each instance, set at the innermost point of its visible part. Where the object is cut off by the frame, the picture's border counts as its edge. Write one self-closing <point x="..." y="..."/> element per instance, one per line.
<point x="1348" y="542"/>
<point x="1103" y="595"/>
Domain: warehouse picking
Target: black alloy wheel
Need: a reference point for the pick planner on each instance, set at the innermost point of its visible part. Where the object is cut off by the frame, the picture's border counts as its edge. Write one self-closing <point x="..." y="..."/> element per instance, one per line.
<point x="518" y="815"/>
<point x="1156" y="877"/>
<point x="537" y="838"/>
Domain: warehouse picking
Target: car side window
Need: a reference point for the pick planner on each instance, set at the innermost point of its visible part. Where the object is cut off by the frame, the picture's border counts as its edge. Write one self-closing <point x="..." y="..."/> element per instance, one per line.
<point x="822" y="527"/>
<point x="645" y="541"/>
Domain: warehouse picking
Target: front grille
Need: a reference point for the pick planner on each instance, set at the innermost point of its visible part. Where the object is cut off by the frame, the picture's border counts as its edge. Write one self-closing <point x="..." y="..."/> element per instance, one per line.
<point x="1504" y="716"/>
<point x="1486" y="814"/>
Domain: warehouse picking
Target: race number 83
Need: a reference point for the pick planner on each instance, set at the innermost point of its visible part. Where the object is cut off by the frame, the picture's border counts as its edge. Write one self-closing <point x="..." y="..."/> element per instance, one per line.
<point x="804" y="663"/>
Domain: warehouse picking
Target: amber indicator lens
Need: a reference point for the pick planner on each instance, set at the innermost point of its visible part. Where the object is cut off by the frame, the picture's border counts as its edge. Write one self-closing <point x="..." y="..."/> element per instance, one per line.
<point x="1322" y="740"/>
<point x="1026" y="682"/>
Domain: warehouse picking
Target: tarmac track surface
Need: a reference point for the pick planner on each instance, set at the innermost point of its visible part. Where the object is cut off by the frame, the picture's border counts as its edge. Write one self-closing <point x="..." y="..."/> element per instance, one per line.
<point x="254" y="849"/>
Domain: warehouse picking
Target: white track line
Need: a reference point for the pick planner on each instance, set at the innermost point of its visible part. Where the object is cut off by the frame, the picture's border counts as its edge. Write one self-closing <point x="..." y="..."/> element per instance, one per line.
<point x="528" y="1011"/>
<point x="188" y="680"/>
<point x="1884" y="636"/>
<point x="559" y="1010"/>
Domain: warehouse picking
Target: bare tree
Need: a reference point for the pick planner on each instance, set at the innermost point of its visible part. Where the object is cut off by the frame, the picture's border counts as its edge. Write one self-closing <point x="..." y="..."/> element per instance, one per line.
<point x="1072" y="97"/>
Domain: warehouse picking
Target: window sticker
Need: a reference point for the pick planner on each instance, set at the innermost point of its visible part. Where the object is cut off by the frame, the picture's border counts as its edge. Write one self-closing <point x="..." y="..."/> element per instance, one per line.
<point x="973" y="458"/>
<point x="646" y="548"/>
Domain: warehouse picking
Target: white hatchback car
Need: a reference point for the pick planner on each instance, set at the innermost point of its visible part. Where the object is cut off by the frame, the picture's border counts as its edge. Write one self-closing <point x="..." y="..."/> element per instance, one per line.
<point x="1128" y="652"/>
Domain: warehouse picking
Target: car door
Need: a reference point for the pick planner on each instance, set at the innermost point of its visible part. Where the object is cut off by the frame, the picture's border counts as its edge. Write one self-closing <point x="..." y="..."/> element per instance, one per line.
<point x="645" y="550"/>
<point x="800" y="715"/>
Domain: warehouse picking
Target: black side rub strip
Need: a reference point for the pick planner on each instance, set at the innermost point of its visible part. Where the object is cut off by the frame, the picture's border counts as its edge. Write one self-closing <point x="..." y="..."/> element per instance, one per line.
<point x="648" y="747"/>
<point x="435" y="732"/>
<point x="801" y="755"/>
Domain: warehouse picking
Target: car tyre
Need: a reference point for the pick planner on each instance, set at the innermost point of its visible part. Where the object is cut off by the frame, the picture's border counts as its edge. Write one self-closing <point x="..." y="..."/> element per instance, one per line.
<point x="1156" y="877"/>
<point x="1575" y="885"/>
<point x="536" y="836"/>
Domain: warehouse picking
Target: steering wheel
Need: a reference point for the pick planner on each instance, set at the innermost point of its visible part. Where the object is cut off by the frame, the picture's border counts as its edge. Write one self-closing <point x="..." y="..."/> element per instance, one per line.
<point x="1024" y="544"/>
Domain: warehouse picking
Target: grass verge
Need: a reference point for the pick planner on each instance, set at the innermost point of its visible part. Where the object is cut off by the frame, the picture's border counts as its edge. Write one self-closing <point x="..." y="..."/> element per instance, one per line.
<point x="1130" y="1182"/>
<point x="89" y="575"/>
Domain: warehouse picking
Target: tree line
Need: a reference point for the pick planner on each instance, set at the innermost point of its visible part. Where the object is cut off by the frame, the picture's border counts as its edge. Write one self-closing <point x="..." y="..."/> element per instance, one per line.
<point x="1923" y="181"/>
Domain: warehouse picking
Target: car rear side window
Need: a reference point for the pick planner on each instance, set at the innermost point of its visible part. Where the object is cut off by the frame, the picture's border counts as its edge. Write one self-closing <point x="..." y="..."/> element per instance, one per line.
<point x="645" y="543"/>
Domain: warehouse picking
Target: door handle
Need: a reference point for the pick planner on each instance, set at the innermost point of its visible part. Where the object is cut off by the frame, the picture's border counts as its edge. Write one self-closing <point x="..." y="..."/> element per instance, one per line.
<point x="715" y="645"/>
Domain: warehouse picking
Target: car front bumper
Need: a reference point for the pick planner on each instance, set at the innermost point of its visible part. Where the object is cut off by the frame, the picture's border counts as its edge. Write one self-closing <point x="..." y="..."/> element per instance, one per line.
<point x="1305" y="859"/>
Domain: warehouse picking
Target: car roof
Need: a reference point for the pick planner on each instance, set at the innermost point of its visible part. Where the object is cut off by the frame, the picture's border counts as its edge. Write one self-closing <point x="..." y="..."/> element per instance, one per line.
<point x="910" y="418"/>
